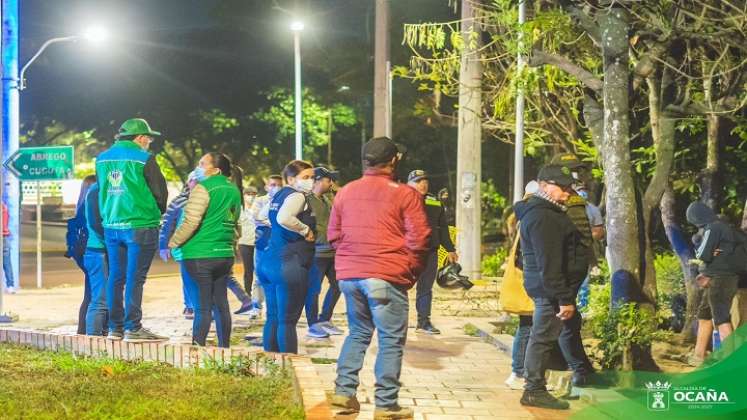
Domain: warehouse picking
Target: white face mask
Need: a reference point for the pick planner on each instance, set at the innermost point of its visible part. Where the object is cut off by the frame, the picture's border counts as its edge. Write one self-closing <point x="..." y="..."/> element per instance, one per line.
<point x="305" y="185"/>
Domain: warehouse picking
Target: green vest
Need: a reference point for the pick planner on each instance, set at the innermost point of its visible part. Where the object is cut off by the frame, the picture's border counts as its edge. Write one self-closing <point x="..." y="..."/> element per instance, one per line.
<point x="216" y="236"/>
<point x="576" y="211"/>
<point x="125" y="199"/>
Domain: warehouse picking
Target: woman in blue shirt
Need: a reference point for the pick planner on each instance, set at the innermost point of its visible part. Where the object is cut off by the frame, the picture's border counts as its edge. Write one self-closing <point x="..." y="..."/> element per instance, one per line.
<point x="288" y="257"/>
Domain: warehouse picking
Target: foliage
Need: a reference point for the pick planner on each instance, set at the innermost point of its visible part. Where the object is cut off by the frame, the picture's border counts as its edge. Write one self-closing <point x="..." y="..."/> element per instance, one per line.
<point x="471" y="330"/>
<point x="493" y="205"/>
<point x="669" y="277"/>
<point x="40" y="384"/>
<point x="621" y="327"/>
<point x="492" y="265"/>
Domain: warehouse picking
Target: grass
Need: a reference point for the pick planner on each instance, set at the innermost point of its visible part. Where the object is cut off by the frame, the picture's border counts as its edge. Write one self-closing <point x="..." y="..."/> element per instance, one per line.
<point x="323" y="361"/>
<point x="471" y="330"/>
<point x="46" y="385"/>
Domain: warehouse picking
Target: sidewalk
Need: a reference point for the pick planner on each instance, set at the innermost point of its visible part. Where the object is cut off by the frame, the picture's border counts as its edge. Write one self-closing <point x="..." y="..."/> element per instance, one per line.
<point x="449" y="376"/>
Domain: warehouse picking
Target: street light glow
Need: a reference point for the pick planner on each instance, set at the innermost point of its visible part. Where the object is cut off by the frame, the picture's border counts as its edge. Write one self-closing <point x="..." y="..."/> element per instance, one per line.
<point x="297" y="26"/>
<point x="96" y="35"/>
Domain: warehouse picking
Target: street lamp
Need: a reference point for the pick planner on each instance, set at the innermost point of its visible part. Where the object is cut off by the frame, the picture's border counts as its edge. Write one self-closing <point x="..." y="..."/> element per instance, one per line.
<point x="297" y="27"/>
<point x="96" y="35"/>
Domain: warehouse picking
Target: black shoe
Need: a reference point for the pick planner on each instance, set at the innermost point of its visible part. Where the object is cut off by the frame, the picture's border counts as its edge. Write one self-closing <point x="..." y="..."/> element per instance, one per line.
<point x="427" y="328"/>
<point x="580" y="380"/>
<point x="543" y="399"/>
<point x="189" y="313"/>
<point x="246" y="307"/>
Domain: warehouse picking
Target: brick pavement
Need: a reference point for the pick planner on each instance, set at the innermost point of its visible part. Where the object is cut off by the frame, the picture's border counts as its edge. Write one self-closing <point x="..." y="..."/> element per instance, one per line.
<point x="448" y="377"/>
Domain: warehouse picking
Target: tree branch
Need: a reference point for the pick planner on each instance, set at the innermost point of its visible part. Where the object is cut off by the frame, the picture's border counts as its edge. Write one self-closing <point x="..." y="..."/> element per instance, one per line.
<point x="539" y="58"/>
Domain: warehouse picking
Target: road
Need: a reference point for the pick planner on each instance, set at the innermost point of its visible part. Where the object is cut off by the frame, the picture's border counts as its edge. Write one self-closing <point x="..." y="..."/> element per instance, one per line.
<point x="56" y="269"/>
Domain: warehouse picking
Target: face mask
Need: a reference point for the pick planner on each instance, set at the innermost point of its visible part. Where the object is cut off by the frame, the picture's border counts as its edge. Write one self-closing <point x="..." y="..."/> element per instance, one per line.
<point x="305" y="185"/>
<point x="199" y="173"/>
<point x="273" y="190"/>
<point x="584" y="194"/>
<point x="249" y="200"/>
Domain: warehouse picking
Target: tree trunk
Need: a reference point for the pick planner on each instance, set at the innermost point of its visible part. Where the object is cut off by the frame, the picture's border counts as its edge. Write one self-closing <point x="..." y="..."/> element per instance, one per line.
<point x="708" y="179"/>
<point x="684" y="250"/>
<point x="622" y="214"/>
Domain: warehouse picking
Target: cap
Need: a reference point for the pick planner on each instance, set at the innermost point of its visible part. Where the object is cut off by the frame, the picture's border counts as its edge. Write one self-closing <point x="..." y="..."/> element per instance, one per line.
<point x="558" y="175"/>
<point x="531" y="188"/>
<point x="380" y="150"/>
<point x="250" y="190"/>
<point x="135" y="127"/>
<point x="322" y="172"/>
<point x="569" y="160"/>
<point x="417" y="175"/>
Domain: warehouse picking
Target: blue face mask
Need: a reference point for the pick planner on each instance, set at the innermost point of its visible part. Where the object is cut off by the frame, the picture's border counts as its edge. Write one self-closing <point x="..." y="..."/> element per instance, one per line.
<point x="584" y="194"/>
<point x="199" y="173"/>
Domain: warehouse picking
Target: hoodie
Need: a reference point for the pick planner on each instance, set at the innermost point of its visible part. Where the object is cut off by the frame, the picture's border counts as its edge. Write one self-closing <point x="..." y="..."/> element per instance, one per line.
<point x="717" y="235"/>
<point x="555" y="261"/>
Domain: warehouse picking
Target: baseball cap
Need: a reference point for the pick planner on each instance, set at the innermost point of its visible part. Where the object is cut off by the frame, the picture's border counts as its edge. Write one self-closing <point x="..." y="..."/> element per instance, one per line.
<point x="569" y="160"/>
<point x="380" y="150"/>
<point x="322" y="172"/>
<point x="417" y="175"/>
<point x="134" y="127"/>
<point x="558" y="175"/>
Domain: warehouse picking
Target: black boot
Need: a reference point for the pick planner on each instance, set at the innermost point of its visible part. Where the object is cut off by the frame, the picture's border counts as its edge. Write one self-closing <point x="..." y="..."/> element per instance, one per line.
<point x="425" y="327"/>
<point x="543" y="399"/>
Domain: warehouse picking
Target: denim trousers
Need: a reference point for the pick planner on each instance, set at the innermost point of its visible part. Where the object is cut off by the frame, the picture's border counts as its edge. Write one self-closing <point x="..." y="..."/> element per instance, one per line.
<point x="373" y="304"/>
<point x="83" y="309"/>
<point x="424" y="287"/>
<point x="96" y="314"/>
<point x="322" y="267"/>
<point x="130" y="253"/>
<point x="188" y="285"/>
<point x="209" y="276"/>
<point x="285" y="280"/>
<point x="7" y="265"/>
<point x="519" y="348"/>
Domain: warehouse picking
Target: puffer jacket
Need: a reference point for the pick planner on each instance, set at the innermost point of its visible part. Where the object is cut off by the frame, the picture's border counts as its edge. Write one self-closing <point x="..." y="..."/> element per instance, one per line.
<point x="555" y="261"/>
<point x="379" y="230"/>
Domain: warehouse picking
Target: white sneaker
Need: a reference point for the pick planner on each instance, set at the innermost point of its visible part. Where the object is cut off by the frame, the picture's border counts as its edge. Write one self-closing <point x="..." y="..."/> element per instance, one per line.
<point x="255" y="313"/>
<point x="515" y="382"/>
<point x="11" y="290"/>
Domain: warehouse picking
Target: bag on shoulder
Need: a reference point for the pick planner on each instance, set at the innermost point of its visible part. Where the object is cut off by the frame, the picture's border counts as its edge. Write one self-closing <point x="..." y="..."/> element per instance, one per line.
<point x="513" y="297"/>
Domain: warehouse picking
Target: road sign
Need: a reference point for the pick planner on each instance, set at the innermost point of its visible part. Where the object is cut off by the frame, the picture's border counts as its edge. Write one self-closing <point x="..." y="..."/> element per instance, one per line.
<point x="42" y="163"/>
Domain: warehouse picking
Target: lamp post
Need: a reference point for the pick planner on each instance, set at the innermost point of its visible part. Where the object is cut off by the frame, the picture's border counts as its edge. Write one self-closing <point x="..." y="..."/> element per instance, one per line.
<point x="13" y="82"/>
<point x="297" y="27"/>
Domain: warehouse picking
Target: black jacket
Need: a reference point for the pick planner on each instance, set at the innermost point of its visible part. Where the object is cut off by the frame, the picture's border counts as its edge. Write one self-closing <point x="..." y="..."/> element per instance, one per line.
<point x="555" y="259"/>
<point x="716" y="235"/>
<point x="438" y="223"/>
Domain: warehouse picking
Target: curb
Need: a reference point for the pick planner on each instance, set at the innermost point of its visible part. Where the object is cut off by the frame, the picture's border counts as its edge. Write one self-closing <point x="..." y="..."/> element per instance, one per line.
<point x="306" y="383"/>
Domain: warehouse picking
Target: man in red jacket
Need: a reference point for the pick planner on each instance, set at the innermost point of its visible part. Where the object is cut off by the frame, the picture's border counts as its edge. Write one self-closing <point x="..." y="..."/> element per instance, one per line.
<point x="380" y="232"/>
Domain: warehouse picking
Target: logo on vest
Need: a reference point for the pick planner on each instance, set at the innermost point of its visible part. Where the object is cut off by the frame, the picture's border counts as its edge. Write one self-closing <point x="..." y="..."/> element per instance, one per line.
<point x="115" y="182"/>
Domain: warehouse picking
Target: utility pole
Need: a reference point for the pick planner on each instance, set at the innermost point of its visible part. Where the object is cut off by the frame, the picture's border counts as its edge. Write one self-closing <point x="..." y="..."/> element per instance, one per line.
<point x="469" y="150"/>
<point x="382" y="85"/>
<point x="519" y="140"/>
<point x="11" y="194"/>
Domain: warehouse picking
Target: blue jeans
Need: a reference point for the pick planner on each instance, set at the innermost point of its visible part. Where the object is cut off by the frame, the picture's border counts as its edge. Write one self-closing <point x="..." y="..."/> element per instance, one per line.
<point x="235" y="287"/>
<point x="519" y="349"/>
<point x="322" y="267"/>
<point x="286" y="274"/>
<point x="583" y="293"/>
<point x="189" y="287"/>
<point x="95" y="263"/>
<point x="131" y="253"/>
<point x="380" y="305"/>
<point x="7" y="265"/>
<point x="424" y="288"/>
<point x="83" y="310"/>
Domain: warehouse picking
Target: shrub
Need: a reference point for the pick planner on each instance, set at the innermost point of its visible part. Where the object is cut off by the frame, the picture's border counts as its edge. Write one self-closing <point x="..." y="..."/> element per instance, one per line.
<point x="669" y="278"/>
<point x="492" y="265"/>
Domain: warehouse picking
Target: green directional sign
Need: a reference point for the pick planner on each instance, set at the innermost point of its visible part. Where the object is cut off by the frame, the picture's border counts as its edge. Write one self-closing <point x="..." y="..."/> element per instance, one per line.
<point x="51" y="163"/>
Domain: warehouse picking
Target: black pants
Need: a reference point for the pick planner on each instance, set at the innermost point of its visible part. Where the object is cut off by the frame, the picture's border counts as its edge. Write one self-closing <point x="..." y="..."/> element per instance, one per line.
<point x="547" y="329"/>
<point x="424" y="287"/>
<point x="83" y="310"/>
<point x="247" y="259"/>
<point x="210" y="276"/>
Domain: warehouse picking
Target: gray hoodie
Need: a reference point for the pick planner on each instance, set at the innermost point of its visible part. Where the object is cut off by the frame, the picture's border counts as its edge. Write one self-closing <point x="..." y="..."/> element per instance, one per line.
<point x="717" y="235"/>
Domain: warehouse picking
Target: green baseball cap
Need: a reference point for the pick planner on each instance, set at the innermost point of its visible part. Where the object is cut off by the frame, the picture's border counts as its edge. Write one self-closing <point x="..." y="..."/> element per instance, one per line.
<point x="135" y="127"/>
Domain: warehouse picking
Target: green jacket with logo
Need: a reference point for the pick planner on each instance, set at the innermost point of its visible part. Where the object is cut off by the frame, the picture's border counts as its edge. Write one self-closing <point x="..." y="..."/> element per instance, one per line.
<point x="207" y="227"/>
<point x="132" y="189"/>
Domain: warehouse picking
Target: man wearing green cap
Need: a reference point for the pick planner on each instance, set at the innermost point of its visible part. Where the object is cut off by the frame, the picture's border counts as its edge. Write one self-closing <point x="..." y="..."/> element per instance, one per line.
<point x="132" y="197"/>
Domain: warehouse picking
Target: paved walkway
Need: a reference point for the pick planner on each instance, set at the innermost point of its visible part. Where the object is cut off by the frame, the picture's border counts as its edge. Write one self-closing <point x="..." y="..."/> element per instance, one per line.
<point x="450" y="376"/>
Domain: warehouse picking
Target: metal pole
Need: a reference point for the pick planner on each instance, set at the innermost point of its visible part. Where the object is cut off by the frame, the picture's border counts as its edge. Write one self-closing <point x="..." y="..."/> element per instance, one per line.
<point x="2" y="179"/>
<point x="519" y="140"/>
<point x="38" y="236"/>
<point x="381" y="71"/>
<point x="329" y="139"/>
<point x="10" y="123"/>
<point x="298" y="101"/>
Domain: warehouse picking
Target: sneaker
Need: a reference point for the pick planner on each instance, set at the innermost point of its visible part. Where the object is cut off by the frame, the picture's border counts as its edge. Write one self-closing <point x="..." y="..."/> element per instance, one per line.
<point x="246" y="307"/>
<point x="11" y="290"/>
<point x="344" y="404"/>
<point x="515" y="382"/>
<point x="189" y="313"/>
<point x="427" y="328"/>
<point x="316" y="331"/>
<point x="143" y="335"/>
<point x="255" y="313"/>
<point x="330" y="328"/>
<point x="392" y="413"/>
<point x="543" y="399"/>
<point x="115" y="335"/>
